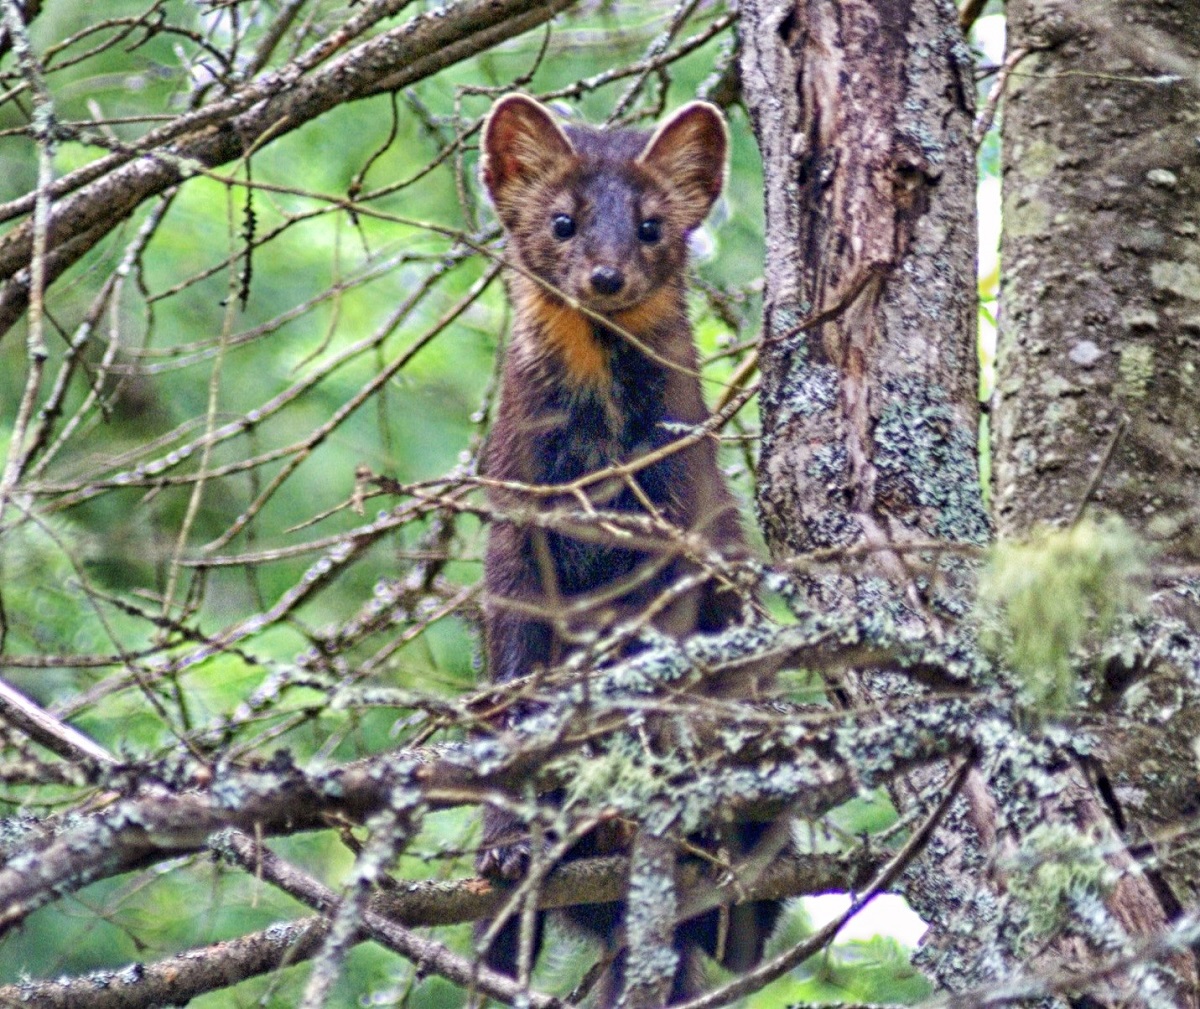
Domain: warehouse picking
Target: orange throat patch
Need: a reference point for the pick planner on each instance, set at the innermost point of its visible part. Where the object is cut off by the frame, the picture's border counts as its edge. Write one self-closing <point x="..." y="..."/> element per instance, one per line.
<point x="651" y="314"/>
<point x="568" y="333"/>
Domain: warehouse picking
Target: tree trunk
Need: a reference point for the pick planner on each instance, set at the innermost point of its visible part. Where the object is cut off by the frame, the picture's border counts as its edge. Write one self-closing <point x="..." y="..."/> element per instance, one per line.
<point x="863" y="111"/>
<point x="869" y="401"/>
<point x="868" y="357"/>
<point x="1098" y="394"/>
<point x="1099" y="364"/>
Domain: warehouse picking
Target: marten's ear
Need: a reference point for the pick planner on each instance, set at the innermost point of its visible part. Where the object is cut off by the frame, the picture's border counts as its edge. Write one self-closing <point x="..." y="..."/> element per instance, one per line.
<point x="521" y="144"/>
<point x="688" y="153"/>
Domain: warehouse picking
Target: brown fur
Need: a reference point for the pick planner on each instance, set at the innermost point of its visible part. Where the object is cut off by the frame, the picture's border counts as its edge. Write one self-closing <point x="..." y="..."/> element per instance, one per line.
<point x="565" y="332"/>
<point x="582" y="393"/>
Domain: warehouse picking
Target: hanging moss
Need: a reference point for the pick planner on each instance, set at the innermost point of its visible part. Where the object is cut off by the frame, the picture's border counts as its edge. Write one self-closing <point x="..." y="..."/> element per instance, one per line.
<point x="1043" y="599"/>
<point x="1060" y="873"/>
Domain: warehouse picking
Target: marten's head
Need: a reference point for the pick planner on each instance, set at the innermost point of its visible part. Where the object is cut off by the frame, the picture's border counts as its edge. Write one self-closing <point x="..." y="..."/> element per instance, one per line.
<point x="602" y="215"/>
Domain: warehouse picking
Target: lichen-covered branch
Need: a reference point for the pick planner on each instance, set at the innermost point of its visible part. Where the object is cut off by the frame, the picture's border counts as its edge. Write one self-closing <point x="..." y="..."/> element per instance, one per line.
<point x="776" y="762"/>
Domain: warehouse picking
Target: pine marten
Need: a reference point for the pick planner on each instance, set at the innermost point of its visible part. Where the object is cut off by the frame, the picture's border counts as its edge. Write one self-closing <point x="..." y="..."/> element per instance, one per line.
<point x="601" y="218"/>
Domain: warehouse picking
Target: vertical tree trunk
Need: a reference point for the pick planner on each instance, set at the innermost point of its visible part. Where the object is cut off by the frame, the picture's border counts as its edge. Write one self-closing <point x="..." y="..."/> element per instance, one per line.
<point x="1099" y="383"/>
<point x="863" y="110"/>
<point x="1099" y="387"/>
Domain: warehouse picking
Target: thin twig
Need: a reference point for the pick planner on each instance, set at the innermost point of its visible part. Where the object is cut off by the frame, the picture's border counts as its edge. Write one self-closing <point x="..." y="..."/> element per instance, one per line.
<point x="44" y="130"/>
<point x="983" y="120"/>
<point x="42" y="727"/>
<point x="1101" y="468"/>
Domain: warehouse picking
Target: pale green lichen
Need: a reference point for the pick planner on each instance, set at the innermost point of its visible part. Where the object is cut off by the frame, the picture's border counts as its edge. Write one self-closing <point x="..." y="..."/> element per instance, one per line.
<point x="1043" y="598"/>
<point x="1180" y="278"/>
<point x="829" y="464"/>
<point x="1026" y="218"/>
<point x="650" y="912"/>
<point x="1136" y="368"/>
<point x="1058" y="872"/>
<point x="925" y="458"/>
<point x="1039" y="159"/>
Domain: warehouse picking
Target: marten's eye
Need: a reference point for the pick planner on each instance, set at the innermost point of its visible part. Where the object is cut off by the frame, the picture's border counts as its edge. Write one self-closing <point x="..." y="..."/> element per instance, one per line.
<point x="563" y="226"/>
<point x="650" y="230"/>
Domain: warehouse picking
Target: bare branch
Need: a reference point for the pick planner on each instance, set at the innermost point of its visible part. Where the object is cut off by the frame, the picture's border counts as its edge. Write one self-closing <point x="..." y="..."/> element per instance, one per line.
<point x="415" y="904"/>
<point x="421" y="47"/>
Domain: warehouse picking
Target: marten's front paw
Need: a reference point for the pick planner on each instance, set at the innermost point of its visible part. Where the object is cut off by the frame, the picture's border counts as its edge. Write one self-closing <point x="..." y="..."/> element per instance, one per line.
<point x="505" y="861"/>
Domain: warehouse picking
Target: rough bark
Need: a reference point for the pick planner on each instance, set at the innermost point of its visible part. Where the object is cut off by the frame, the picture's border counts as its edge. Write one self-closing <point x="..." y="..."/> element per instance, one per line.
<point x="868" y="355"/>
<point x="1098" y="401"/>
<point x="868" y="390"/>
<point x="863" y="111"/>
<point x="1100" y="307"/>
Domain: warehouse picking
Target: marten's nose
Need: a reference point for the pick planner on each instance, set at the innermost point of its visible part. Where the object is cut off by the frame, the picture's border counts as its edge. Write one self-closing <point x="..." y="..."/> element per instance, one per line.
<point x="607" y="280"/>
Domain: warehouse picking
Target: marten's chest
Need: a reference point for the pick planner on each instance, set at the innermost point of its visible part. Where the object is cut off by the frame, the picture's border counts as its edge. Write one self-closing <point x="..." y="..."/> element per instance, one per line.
<point x="595" y="425"/>
<point x="580" y="429"/>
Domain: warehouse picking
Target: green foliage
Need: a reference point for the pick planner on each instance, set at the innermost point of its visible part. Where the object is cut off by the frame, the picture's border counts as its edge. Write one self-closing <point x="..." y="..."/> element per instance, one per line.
<point x="627" y="776"/>
<point x="854" y="972"/>
<point x="871" y="972"/>
<point x="869" y="813"/>
<point x="1044" y="599"/>
<point x="46" y="609"/>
